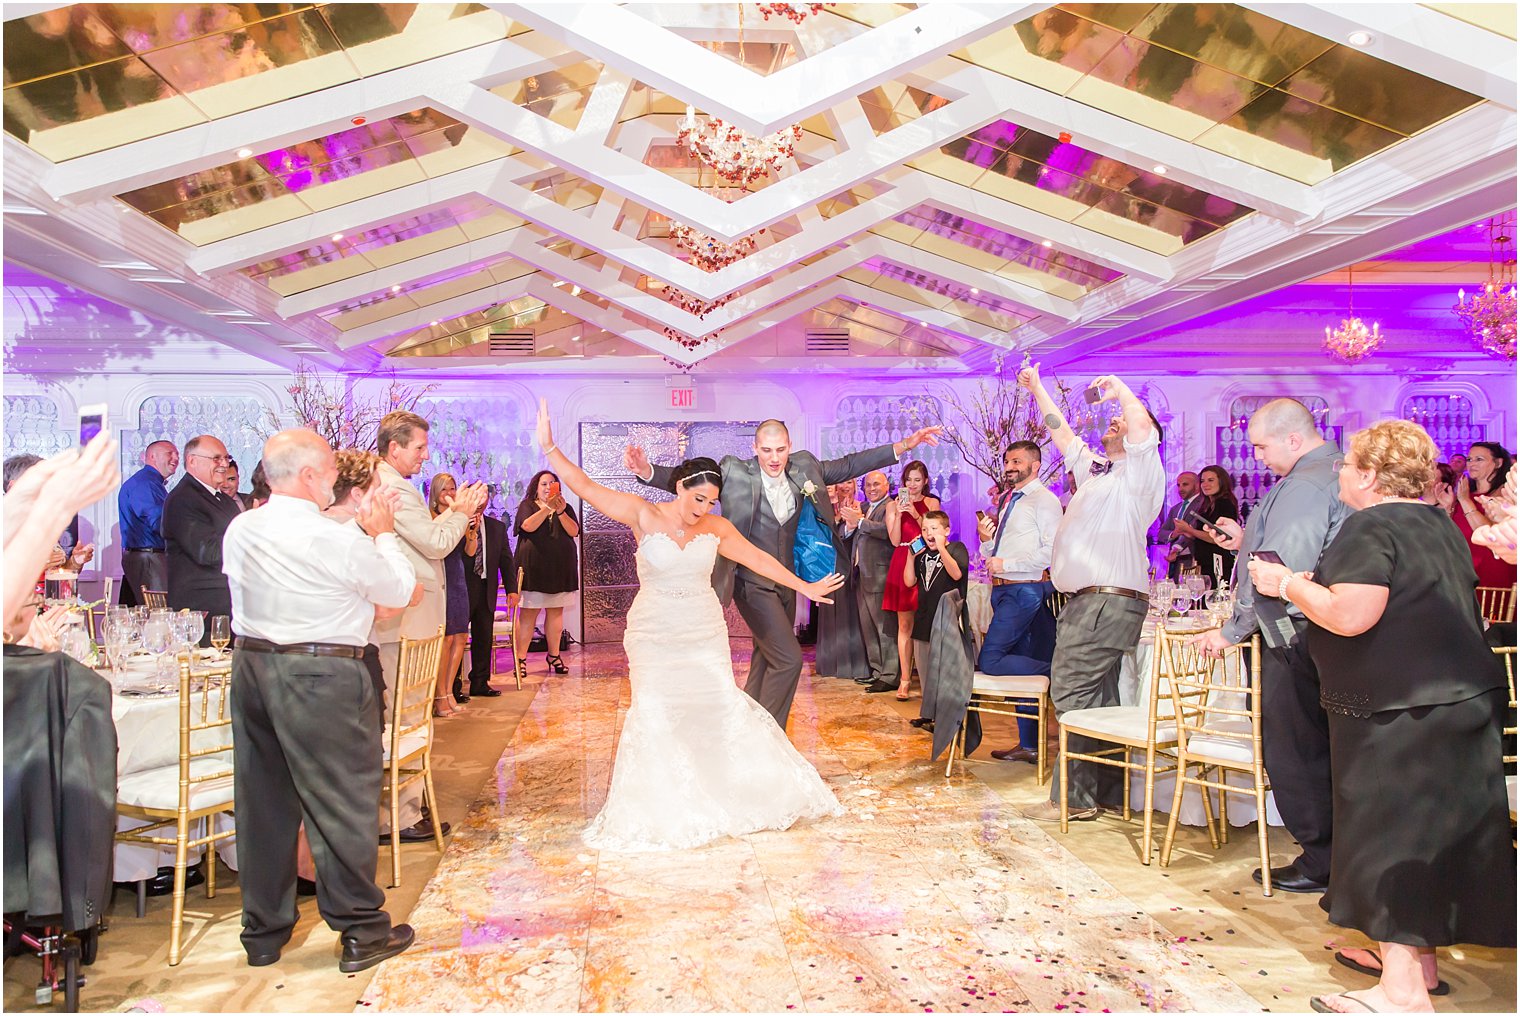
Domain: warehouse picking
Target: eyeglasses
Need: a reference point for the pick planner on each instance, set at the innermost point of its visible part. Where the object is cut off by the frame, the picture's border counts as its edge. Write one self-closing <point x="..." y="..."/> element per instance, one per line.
<point x="214" y="458"/>
<point x="1338" y="465"/>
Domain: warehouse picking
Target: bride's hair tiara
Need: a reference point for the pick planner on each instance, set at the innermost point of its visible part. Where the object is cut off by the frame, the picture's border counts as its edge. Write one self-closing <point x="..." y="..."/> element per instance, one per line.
<point x="687" y="481"/>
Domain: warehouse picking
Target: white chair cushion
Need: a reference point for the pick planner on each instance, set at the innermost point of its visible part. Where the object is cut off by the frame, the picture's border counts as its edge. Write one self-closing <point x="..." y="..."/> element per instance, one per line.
<point x="501" y="615"/>
<point x="1009" y="684"/>
<point x="410" y="743"/>
<point x="1223" y="749"/>
<point x="159" y="788"/>
<point x="1123" y="723"/>
<point x="1509" y="787"/>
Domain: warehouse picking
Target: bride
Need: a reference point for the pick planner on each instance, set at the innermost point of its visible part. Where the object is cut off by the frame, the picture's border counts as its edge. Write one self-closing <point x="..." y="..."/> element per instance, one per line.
<point x="698" y="759"/>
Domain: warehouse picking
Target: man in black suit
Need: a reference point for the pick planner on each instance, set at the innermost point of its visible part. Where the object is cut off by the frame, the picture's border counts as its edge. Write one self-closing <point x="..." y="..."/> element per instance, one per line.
<point x="196" y="516"/>
<point x="490" y="569"/>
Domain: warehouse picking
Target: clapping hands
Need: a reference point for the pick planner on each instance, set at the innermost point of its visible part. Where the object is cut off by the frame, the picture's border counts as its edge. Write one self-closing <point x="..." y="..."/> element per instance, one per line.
<point x="469" y="499"/>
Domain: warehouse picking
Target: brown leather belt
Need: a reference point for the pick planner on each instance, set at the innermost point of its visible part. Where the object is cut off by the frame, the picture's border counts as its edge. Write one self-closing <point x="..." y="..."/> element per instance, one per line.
<point x="1016" y="582"/>
<point x="1114" y="591"/>
<point x="254" y="645"/>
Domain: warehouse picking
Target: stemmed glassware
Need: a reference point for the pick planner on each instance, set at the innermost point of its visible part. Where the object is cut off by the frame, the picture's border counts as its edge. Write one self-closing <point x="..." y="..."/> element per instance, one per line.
<point x="1161" y="597"/>
<point x="1181" y="597"/>
<point x="221" y="633"/>
<point x="157" y="639"/>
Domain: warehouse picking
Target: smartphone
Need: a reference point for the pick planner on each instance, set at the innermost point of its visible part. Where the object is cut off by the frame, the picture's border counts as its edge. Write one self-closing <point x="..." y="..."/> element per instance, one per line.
<point x="1269" y="556"/>
<point x="1093" y="395"/>
<point x="1194" y="518"/>
<point x="92" y="420"/>
<point x="556" y="502"/>
<point x="918" y="546"/>
<point x="980" y="515"/>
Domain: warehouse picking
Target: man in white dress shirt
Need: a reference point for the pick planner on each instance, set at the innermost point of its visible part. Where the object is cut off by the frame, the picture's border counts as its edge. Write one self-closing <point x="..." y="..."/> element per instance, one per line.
<point x="304" y="722"/>
<point x="1099" y="560"/>
<point x="1016" y="543"/>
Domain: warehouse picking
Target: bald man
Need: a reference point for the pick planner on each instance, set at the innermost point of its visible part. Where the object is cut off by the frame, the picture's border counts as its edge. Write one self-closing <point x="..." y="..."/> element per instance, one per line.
<point x="1297" y="519"/>
<point x="196" y="516"/>
<point x="870" y="556"/>
<point x="140" y="507"/>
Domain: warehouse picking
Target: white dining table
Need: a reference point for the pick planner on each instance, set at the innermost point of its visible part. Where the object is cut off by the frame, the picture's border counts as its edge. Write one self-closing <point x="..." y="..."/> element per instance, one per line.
<point x="147" y="737"/>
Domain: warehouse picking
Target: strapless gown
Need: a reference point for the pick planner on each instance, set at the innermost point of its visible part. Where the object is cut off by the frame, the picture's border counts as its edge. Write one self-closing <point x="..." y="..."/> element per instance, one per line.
<point x="698" y="759"/>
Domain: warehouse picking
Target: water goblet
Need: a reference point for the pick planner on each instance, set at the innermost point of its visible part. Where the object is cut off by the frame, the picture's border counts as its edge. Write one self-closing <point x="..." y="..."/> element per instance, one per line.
<point x="1181" y="597"/>
<point x="157" y="639"/>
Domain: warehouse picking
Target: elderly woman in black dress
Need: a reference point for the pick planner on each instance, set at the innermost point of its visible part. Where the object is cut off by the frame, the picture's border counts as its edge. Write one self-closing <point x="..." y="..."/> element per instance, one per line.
<point x="1421" y="854"/>
<point x="546" y="531"/>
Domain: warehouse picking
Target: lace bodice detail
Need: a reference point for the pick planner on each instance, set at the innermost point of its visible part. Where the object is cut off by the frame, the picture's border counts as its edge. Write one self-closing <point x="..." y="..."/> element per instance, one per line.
<point x="673" y="570"/>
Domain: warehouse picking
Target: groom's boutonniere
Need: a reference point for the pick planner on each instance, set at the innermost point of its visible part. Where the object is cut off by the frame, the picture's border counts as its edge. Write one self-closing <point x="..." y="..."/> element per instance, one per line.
<point x="809" y="489"/>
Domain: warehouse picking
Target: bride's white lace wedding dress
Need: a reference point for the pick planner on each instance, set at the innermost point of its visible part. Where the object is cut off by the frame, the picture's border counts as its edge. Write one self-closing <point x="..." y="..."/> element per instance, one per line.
<point x="698" y="758"/>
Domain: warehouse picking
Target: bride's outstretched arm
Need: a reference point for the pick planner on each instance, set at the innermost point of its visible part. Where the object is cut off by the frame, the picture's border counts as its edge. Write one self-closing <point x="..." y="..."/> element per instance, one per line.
<point x="733" y="545"/>
<point x="614" y="504"/>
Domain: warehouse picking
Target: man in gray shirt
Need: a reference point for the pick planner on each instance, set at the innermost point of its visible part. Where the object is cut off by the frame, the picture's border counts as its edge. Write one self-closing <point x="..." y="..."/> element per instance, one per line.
<point x="1297" y="519"/>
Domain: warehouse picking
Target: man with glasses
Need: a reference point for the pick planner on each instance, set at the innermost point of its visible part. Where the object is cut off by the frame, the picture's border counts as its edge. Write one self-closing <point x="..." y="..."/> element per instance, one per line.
<point x="195" y="518"/>
<point x="1296" y="520"/>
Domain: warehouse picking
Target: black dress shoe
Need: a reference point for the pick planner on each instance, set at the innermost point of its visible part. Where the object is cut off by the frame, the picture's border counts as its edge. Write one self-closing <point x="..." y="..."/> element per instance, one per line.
<point x="422" y="830"/>
<point x="865" y="680"/>
<point x="162" y="883"/>
<point x="1288" y="879"/>
<point x="305" y="887"/>
<point x="484" y="692"/>
<point x="921" y="723"/>
<point x="880" y="686"/>
<point x="358" y="957"/>
<point x="461" y="696"/>
<point x="263" y="959"/>
<point x="1017" y="755"/>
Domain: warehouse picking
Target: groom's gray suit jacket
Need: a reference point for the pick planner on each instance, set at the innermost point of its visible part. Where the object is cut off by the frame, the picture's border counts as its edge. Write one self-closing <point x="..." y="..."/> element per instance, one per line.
<point x="744" y="504"/>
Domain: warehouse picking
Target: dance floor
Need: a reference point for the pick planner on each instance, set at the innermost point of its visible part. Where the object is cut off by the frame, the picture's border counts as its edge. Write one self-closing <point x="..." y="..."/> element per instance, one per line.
<point x="929" y="895"/>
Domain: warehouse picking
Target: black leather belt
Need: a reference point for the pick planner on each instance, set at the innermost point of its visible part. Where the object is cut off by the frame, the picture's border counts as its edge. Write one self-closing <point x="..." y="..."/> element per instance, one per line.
<point x="254" y="645"/>
<point x="1114" y="591"/>
<point x="145" y="550"/>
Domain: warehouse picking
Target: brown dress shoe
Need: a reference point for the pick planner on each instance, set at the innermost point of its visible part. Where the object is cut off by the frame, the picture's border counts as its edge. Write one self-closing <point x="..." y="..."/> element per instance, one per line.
<point x="1017" y="755"/>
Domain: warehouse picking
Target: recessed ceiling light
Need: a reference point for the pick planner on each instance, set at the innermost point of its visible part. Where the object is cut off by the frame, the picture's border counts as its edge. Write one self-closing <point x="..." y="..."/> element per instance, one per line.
<point x="244" y="153"/>
<point x="336" y="237"/>
<point x="396" y="288"/>
<point x="432" y="324"/>
<point x="1359" y="38"/>
<point x="1046" y="243"/>
<point x="975" y="291"/>
<point x="1159" y="170"/>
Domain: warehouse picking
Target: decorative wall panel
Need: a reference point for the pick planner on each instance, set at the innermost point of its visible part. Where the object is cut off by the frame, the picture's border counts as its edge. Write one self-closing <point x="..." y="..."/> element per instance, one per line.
<point x="1233" y="449"/>
<point x="241" y="422"/>
<point x="1448" y="419"/>
<point x="32" y="427"/>
<point x="609" y="578"/>
<point x="482" y="439"/>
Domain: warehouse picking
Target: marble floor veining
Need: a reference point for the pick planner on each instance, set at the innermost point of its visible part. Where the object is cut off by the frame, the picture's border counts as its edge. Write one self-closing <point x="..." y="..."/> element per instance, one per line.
<point x="928" y="895"/>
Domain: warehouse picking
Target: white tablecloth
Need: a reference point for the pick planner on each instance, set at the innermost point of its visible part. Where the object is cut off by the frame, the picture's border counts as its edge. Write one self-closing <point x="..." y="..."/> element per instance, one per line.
<point x="1134" y="685"/>
<point x="979" y="606"/>
<point x="147" y="737"/>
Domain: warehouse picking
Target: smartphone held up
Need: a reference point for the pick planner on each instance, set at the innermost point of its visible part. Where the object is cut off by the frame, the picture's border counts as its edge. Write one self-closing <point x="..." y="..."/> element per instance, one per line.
<point x="92" y="420"/>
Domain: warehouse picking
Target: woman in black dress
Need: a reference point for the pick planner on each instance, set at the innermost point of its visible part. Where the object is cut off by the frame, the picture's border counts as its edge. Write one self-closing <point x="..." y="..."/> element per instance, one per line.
<point x="456" y="603"/>
<point x="1421" y="854"/>
<point x="546" y="531"/>
<point x="1218" y="490"/>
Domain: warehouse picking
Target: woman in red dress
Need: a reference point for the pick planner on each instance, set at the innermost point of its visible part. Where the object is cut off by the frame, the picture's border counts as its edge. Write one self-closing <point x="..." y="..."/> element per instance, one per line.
<point x="1488" y="465"/>
<point x="903" y="518"/>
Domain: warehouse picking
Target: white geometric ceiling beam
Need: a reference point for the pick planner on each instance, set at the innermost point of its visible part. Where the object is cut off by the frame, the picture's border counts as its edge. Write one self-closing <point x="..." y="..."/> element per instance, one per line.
<point x="761" y="105"/>
<point x="1415" y="37"/>
<point x="931" y="316"/>
<point x="611" y="321"/>
<point x="942" y="267"/>
<point x="290" y="121"/>
<point x="1129" y="142"/>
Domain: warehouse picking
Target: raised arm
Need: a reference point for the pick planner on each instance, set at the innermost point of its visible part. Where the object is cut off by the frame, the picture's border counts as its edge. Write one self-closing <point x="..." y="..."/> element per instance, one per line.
<point x="733" y="545"/>
<point x="1061" y="434"/>
<point x="637" y="463"/>
<point x="1135" y="415"/>
<point x="614" y="504"/>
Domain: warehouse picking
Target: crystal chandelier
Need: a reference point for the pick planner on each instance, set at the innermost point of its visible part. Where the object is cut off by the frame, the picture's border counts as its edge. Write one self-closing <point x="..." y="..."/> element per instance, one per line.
<point x="1353" y="341"/>
<point x="795" y="13"/>
<point x="1489" y="314"/>
<point x="708" y="253"/>
<point x="734" y="154"/>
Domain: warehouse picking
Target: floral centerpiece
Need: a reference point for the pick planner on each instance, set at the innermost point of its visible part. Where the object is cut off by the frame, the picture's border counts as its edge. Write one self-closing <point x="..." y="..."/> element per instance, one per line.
<point x="328" y="404"/>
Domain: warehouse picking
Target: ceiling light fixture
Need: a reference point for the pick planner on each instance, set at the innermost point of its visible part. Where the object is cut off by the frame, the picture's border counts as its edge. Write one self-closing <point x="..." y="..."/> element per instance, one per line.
<point x="1159" y="170"/>
<point x="975" y="291"/>
<point x="396" y="288"/>
<point x="1353" y="341"/>
<point x="244" y="153"/>
<point x="795" y="13"/>
<point x="732" y="152"/>
<point x="1489" y="314"/>
<point x="1360" y="38"/>
<point x="1046" y="243"/>
<point x="336" y="237"/>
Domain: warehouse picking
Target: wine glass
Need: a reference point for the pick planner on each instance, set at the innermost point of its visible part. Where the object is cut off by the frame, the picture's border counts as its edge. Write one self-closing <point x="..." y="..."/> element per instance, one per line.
<point x="157" y="639"/>
<point x="221" y="632"/>
<point x="194" y="624"/>
<point x="1181" y="597"/>
<point x="1161" y="598"/>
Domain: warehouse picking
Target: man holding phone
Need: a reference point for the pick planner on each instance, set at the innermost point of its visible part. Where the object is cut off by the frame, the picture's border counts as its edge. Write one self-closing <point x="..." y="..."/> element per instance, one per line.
<point x="1179" y="545"/>
<point x="1294" y="523"/>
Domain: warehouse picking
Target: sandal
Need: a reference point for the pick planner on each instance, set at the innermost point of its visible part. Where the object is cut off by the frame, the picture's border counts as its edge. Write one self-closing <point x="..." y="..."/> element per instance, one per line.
<point x="904" y="691"/>
<point x="556" y="664"/>
<point x="439" y="713"/>
<point x="1441" y="988"/>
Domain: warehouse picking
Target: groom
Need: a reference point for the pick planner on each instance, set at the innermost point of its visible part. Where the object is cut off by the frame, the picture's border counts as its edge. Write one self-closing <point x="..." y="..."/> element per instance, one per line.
<point x="762" y="498"/>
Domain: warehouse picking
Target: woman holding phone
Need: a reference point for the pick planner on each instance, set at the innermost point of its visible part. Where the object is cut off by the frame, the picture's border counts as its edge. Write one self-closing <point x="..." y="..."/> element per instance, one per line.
<point x="546" y="531"/>
<point x="905" y="518"/>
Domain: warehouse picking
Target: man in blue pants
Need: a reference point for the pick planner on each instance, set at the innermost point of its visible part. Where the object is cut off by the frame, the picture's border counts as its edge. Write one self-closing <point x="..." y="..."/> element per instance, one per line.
<point x="1016" y="544"/>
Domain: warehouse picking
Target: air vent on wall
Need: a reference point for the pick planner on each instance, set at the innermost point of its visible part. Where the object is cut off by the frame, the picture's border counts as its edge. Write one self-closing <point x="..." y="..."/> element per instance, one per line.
<point x="828" y="341"/>
<point x="519" y="343"/>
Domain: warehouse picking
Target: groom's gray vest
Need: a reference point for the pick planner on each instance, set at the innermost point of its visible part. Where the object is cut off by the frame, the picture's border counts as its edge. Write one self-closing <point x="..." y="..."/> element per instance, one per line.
<point x="775" y="538"/>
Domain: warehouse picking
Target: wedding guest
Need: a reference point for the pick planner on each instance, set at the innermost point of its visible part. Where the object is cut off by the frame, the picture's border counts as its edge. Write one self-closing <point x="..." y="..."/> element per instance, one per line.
<point x="456" y="599"/>
<point x="258" y="488"/>
<point x="940" y="567"/>
<point x="546" y="531"/>
<point x="871" y="555"/>
<point x="489" y="570"/>
<point x="1458" y="463"/>
<point x="306" y="740"/>
<point x="195" y="518"/>
<point x="1488" y="466"/>
<point x="76" y="555"/>
<point x="229" y="486"/>
<point x="1297" y="520"/>
<point x="904" y="525"/>
<point x="140" y="508"/>
<point x="425" y="539"/>
<point x="1017" y="543"/>
<point x="841" y="650"/>
<point x="1099" y="561"/>
<point x="1179" y="546"/>
<point x="1499" y="537"/>
<point x="1425" y="859"/>
<point x="1217" y="490"/>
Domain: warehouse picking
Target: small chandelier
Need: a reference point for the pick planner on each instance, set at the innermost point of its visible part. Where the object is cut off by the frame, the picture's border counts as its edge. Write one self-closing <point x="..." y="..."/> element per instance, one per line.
<point x="695" y="305"/>
<point x="1353" y="341"/>
<point x="795" y="13"/>
<point x="709" y="253"/>
<point x="1489" y="314"/>
<point x="734" y="154"/>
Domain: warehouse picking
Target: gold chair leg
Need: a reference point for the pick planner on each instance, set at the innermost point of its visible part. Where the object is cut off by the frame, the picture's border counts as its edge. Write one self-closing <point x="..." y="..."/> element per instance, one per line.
<point x="1041" y="765"/>
<point x="177" y="918"/>
<point x="1208" y="809"/>
<point x="1127" y="764"/>
<point x="959" y="734"/>
<point x="209" y="858"/>
<point x="1261" y="835"/>
<point x="1171" y="821"/>
<point x="395" y="829"/>
<point x="432" y="798"/>
<point x="1065" y="763"/>
<point x="1150" y="791"/>
<point x="1224" y="808"/>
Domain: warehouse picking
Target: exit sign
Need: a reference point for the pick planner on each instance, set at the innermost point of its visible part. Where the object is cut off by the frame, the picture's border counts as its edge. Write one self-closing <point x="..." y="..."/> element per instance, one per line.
<point x="682" y="398"/>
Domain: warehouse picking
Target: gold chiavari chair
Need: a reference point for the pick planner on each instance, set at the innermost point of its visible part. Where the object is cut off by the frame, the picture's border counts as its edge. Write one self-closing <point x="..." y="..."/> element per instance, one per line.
<point x="1497" y="603"/>
<point x="195" y="790"/>
<point x="1507" y="654"/>
<point x="155" y="599"/>
<point x="409" y="737"/>
<point x="1218" y="712"/>
<point x="1151" y="728"/>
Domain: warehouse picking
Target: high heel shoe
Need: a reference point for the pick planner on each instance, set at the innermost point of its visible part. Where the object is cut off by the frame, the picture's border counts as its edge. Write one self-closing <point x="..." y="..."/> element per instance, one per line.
<point x="441" y="714"/>
<point x="556" y="664"/>
<point x="904" y="690"/>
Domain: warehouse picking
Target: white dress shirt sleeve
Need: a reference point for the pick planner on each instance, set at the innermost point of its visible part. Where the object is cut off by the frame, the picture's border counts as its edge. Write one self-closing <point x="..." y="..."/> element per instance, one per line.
<point x="1079" y="459"/>
<point x="1030" y="537"/>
